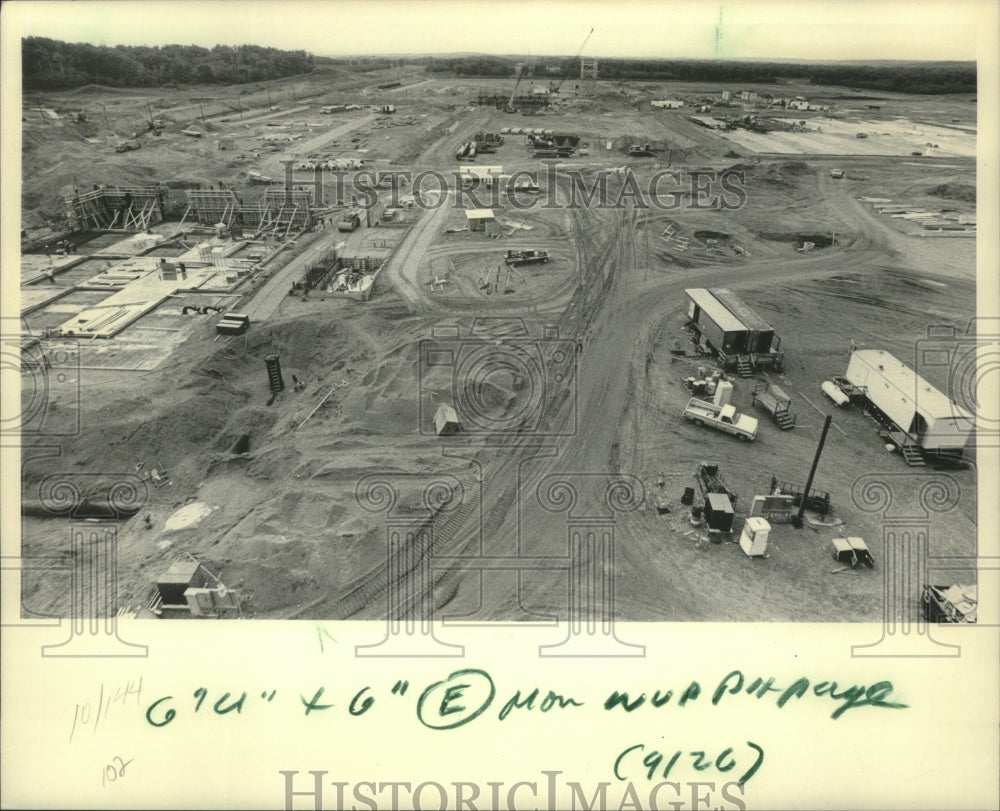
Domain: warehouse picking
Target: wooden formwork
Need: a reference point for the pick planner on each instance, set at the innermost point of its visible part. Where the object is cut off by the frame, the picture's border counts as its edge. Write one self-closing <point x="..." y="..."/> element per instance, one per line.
<point x="211" y="206"/>
<point x="126" y="209"/>
<point x="281" y="211"/>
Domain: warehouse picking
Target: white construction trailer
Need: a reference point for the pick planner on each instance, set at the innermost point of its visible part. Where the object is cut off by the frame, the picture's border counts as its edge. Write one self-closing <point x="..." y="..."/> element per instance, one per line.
<point x="934" y="421"/>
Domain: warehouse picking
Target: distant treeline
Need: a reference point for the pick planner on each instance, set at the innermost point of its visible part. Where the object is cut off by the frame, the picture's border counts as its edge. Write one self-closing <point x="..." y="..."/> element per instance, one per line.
<point x="896" y="77"/>
<point x="49" y="64"/>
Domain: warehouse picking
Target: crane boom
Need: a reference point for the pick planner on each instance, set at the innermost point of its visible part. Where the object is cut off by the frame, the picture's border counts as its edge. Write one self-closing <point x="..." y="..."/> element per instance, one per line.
<point x="520" y="75"/>
<point x="586" y="39"/>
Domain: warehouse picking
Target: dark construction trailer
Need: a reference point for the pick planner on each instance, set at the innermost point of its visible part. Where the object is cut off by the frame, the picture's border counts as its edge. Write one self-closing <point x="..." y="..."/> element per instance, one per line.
<point x="739" y="336"/>
<point x="760" y="334"/>
<point x="724" y="332"/>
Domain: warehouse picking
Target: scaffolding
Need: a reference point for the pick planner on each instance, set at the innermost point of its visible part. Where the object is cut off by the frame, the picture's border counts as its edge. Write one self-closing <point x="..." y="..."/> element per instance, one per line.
<point x="121" y="209"/>
<point x="588" y="68"/>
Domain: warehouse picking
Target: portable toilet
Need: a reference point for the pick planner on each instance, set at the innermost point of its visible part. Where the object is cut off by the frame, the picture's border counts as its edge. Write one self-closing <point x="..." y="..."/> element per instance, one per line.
<point x="723" y="393"/>
<point x="753" y="541"/>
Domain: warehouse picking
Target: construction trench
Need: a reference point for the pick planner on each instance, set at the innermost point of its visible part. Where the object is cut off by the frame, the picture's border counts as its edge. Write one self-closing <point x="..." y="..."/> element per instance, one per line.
<point x="249" y="360"/>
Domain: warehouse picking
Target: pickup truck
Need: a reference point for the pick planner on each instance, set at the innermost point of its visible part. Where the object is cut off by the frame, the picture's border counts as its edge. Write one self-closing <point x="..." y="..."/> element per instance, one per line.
<point x="722" y="418"/>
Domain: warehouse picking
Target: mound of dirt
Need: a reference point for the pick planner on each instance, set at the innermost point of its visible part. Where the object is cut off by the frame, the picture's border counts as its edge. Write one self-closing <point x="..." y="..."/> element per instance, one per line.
<point x="954" y="191"/>
<point x="795" y="168"/>
<point x="251" y="421"/>
<point x="783" y="175"/>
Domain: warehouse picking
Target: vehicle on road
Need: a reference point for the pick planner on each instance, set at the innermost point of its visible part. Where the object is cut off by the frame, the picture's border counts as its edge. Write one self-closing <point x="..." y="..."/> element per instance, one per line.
<point x="526" y="257"/>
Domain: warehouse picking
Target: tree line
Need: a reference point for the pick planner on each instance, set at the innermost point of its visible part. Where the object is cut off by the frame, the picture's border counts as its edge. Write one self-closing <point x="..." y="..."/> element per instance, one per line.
<point x="892" y="77"/>
<point x="49" y="64"/>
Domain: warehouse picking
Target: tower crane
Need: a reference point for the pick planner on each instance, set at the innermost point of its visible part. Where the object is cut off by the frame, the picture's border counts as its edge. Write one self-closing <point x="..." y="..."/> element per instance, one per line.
<point x="554" y="88"/>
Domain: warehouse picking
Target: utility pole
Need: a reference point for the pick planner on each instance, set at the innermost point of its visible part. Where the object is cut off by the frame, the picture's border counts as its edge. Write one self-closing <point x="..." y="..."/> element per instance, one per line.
<point x="797" y="521"/>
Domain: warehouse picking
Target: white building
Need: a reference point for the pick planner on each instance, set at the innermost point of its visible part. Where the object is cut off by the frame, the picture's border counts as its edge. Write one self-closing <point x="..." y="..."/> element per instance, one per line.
<point x="473" y="176"/>
<point x="668" y="104"/>
<point x="914" y="405"/>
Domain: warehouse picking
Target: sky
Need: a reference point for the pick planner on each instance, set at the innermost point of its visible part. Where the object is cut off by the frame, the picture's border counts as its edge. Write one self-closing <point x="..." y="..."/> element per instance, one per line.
<point x="738" y="29"/>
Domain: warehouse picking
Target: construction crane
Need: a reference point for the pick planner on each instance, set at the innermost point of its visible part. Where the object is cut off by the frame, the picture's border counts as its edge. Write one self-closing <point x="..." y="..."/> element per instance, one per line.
<point x="554" y="88"/>
<point x="517" y="84"/>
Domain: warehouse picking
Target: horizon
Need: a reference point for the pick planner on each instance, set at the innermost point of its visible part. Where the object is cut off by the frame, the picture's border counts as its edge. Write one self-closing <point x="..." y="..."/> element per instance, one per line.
<point x="747" y="30"/>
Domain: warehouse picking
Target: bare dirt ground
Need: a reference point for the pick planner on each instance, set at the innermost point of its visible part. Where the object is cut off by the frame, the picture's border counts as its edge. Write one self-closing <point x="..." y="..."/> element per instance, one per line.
<point x="285" y="526"/>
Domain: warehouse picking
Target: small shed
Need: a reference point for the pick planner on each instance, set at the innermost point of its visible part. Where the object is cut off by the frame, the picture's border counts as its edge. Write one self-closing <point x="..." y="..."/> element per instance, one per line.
<point x="480" y="219"/>
<point x="446" y="420"/>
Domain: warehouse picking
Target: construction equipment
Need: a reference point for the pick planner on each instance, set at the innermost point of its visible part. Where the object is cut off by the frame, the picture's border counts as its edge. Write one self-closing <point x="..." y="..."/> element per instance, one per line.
<point x="520" y="75"/>
<point x="349" y="222"/>
<point x="722" y="418"/>
<point x="709" y="480"/>
<point x="233" y="324"/>
<point x="487" y="141"/>
<point x="856" y="394"/>
<point x="466" y="152"/>
<point x="127" y="145"/>
<point x="852" y="551"/>
<point x="187" y="588"/>
<point x="950" y="603"/>
<point x="508" y="286"/>
<point x="554" y="88"/>
<point x="526" y="257"/>
<point x="778" y="404"/>
<point x="437" y="283"/>
<point x="818" y="500"/>
<point x="490" y="280"/>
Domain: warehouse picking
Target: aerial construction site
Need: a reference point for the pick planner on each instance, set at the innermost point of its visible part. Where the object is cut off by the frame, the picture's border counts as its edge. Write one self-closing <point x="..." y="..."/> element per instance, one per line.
<point x="394" y="342"/>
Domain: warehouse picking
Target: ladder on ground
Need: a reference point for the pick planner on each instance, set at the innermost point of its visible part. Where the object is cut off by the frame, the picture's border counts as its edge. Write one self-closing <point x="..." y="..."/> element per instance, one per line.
<point x="744" y="368"/>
